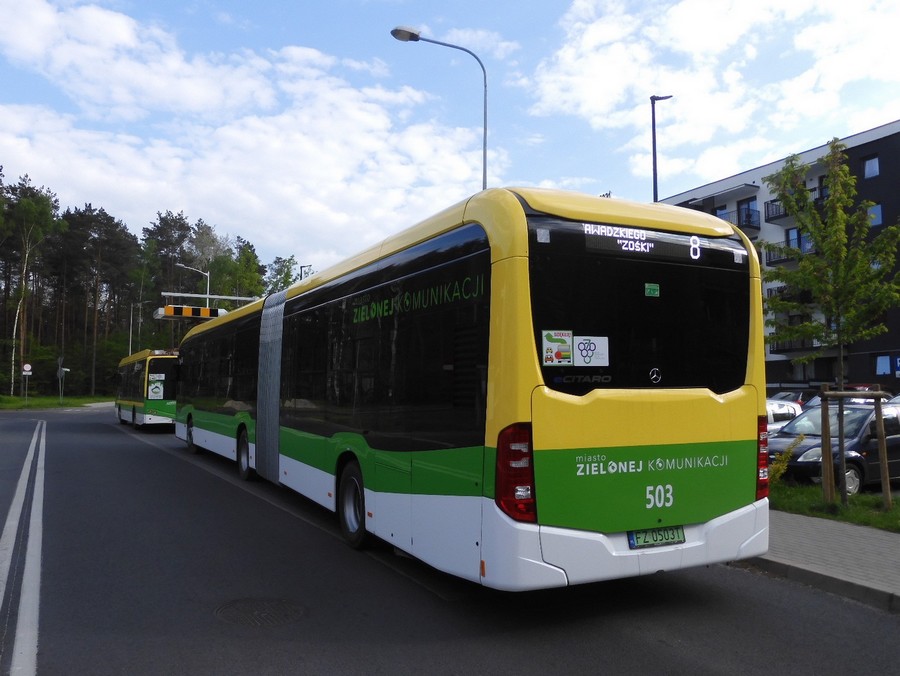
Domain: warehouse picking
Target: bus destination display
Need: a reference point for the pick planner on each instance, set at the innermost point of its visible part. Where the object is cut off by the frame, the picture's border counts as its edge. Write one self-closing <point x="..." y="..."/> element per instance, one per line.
<point x="655" y="244"/>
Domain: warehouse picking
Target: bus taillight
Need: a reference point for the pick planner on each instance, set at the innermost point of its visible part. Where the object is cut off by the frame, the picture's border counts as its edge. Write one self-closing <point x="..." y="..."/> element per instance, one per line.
<point x="515" y="473"/>
<point x="762" y="459"/>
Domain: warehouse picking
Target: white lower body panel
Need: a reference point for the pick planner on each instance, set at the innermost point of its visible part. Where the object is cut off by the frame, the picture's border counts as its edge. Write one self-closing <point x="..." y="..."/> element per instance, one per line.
<point x="524" y="556"/>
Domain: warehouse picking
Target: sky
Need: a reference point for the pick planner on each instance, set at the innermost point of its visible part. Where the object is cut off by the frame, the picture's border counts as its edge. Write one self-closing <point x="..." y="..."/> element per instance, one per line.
<point x="303" y="127"/>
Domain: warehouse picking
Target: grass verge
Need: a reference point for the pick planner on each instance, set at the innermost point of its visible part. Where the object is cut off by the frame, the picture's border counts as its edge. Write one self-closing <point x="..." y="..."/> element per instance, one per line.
<point x="20" y="403"/>
<point x="864" y="509"/>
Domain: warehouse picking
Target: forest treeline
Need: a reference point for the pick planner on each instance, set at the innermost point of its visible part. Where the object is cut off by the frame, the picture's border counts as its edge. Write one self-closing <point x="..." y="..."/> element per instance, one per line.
<point x="79" y="289"/>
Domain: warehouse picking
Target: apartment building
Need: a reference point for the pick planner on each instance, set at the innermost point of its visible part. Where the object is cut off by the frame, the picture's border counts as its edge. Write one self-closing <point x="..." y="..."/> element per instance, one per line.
<point x="745" y="200"/>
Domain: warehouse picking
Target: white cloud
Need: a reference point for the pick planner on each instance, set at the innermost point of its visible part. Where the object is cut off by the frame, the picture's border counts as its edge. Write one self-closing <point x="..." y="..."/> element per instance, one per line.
<point x="114" y="67"/>
<point x="288" y="146"/>
<point x="724" y="62"/>
<point x="299" y="157"/>
<point x="483" y="41"/>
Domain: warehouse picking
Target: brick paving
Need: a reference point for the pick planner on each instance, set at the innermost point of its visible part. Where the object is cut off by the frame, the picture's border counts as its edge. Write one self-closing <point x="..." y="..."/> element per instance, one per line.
<point x="855" y="561"/>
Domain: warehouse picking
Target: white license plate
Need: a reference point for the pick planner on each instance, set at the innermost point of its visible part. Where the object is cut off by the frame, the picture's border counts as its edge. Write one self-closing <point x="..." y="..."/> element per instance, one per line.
<point x="656" y="537"/>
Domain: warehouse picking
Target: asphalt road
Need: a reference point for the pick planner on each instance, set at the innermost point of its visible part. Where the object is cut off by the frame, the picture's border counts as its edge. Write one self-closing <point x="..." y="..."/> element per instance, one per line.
<point x="133" y="557"/>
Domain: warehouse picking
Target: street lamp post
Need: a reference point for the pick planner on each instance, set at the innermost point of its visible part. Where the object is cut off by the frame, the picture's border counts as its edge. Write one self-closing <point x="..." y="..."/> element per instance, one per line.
<point x="404" y="34"/>
<point x="653" y="100"/>
<point x="131" y="323"/>
<point x="188" y="267"/>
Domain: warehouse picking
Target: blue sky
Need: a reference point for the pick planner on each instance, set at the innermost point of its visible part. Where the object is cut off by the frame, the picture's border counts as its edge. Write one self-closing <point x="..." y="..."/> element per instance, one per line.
<point x="305" y="128"/>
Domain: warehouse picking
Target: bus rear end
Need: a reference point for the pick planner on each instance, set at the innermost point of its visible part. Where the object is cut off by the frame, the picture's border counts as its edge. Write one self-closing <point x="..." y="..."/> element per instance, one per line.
<point x="644" y="450"/>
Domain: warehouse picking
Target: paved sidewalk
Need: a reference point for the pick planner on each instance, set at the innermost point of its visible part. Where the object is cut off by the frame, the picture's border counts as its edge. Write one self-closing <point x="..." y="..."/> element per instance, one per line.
<point x="854" y="561"/>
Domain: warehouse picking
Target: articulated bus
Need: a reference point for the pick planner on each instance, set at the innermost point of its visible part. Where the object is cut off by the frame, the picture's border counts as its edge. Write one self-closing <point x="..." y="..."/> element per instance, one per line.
<point x="146" y="394"/>
<point x="530" y="389"/>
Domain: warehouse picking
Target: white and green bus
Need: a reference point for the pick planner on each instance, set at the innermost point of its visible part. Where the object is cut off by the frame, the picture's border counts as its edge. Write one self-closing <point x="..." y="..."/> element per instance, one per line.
<point x="530" y="389"/>
<point x="146" y="392"/>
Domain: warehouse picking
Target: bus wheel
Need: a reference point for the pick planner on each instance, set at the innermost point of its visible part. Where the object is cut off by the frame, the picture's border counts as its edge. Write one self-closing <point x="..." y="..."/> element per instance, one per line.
<point x="134" y="418"/>
<point x="192" y="448"/>
<point x="243" y="458"/>
<point x="351" y="506"/>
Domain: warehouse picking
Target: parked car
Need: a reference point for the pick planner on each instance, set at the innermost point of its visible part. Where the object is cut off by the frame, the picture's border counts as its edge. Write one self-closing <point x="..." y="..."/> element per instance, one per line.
<point x="798" y="396"/>
<point x="863" y="387"/>
<point x="860" y="444"/>
<point x="780" y="412"/>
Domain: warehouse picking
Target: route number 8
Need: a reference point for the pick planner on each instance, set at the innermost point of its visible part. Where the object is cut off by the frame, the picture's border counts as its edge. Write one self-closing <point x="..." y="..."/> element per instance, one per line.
<point x="695" y="247"/>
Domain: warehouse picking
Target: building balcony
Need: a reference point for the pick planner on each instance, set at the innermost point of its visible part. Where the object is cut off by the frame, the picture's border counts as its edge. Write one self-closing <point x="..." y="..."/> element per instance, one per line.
<point x="774" y="209"/>
<point x="793" y="346"/>
<point x="802" y="243"/>
<point x="744" y="218"/>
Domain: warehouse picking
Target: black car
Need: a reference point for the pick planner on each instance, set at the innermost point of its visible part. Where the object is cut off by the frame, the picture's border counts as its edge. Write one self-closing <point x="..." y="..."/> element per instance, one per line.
<point x="860" y="444"/>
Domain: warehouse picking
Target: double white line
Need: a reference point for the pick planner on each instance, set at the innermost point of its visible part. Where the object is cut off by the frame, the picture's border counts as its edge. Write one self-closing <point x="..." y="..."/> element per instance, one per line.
<point x="24" y="659"/>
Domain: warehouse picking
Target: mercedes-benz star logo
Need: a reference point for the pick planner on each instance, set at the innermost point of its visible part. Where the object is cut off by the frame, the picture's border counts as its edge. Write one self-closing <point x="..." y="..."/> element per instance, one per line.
<point x="655" y="376"/>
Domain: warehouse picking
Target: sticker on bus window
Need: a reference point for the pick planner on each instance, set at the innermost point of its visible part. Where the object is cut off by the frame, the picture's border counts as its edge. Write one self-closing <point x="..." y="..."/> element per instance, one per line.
<point x="155" y="389"/>
<point x="591" y="351"/>
<point x="557" y="348"/>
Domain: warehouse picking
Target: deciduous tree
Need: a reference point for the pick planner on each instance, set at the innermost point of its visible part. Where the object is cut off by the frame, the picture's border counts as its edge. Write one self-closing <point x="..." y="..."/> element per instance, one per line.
<point x="34" y="216"/>
<point x="845" y="276"/>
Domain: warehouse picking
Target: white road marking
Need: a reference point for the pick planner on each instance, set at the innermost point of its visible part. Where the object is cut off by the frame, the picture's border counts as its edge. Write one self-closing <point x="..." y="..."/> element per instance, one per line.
<point x="25" y="649"/>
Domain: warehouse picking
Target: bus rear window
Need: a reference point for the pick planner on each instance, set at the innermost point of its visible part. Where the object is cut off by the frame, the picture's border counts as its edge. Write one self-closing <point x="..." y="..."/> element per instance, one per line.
<point x="161" y="378"/>
<point x="627" y="308"/>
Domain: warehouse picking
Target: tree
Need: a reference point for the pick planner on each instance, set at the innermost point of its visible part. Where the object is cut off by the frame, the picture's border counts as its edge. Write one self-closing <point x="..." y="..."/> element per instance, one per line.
<point x="845" y="278"/>
<point x="205" y="245"/>
<point x="170" y="234"/>
<point x="247" y="276"/>
<point x="111" y="251"/>
<point x="34" y="217"/>
<point x="281" y="273"/>
<point x="4" y="229"/>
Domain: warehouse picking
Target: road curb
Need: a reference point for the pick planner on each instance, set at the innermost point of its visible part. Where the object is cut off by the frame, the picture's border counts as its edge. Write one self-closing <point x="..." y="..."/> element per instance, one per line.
<point x="883" y="600"/>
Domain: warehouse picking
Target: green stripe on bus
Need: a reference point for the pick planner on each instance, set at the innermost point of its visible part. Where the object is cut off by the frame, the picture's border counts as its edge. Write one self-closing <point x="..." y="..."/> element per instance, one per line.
<point x="452" y="471"/>
<point x="629" y="488"/>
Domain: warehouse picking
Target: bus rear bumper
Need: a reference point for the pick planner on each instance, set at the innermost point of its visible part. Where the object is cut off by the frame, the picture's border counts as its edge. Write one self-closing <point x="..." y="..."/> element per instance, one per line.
<point x="589" y="557"/>
<point x="511" y="558"/>
<point x="519" y="557"/>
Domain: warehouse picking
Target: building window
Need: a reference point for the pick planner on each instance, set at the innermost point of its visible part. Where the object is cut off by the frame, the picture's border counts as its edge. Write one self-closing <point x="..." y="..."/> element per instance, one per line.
<point x="875" y="214"/>
<point x="722" y="212"/>
<point x="883" y="365"/>
<point x="870" y="167"/>
<point x="822" y="191"/>
<point x="793" y="238"/>
<point x="748" y="213"/>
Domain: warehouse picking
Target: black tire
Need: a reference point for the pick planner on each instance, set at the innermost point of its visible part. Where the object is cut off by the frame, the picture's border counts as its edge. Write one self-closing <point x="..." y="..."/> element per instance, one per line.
<point x="246" y="472"/>
<point x="351" y="506"/>
<point x="192" y="448"/>
<point x="134" y="418"/>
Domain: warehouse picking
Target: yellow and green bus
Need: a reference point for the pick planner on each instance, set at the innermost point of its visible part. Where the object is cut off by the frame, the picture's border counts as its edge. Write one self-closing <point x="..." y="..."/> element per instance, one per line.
<point x="530" y="389"/>
<point x="146" y="393"/>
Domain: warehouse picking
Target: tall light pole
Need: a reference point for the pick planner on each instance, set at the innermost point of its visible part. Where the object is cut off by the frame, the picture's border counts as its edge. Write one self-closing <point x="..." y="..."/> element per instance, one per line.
<point x="653" y="100"/>
<point x="188" y="267"/>
<point x="404" y="34"/>
<point x="131" y="323"/>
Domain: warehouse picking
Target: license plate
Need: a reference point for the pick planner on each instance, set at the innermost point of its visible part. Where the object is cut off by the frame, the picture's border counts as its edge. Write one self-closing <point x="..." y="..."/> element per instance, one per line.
<point x="656" y="537"/>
